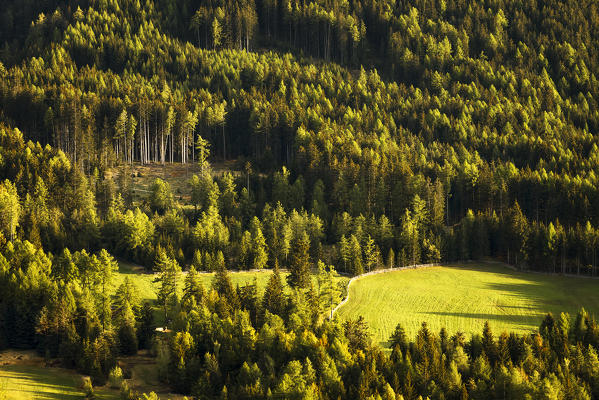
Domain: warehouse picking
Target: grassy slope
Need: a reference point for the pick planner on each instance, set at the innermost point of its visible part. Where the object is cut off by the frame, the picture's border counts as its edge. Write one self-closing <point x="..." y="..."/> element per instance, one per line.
<point x="462" y="298"/>
<point x="32" y="382"/>
<point x="147" y="289"/>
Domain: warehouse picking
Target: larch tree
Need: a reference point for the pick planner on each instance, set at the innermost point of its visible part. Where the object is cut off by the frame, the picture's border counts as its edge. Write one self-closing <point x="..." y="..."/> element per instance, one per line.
<point x="10" y="209"/>
<point x="299" y="268"/>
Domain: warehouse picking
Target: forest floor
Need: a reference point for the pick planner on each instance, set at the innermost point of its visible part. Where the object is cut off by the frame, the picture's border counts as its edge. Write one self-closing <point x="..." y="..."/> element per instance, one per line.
<point x="462" y="297"/>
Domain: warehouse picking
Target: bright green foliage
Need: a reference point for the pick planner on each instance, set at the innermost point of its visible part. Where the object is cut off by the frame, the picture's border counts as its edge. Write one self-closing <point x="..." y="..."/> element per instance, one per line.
<point x="193" y="290"/>
<point x="10" y="209"/>
<point x="299" y="269"/>
<point x="274" y="296"/>
<point x="328" y="290"/>
<point x="423" y="131"/>
<point x="161" y="197"/>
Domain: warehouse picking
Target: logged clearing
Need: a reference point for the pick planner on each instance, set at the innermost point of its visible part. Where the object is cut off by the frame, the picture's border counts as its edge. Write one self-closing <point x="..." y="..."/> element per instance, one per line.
<point x="177" y="175"/>
<point x="463" y="297"/>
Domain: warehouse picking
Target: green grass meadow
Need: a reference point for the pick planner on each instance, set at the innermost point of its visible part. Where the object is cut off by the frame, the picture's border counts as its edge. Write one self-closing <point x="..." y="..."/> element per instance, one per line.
<point x="463" y="297"/>
<point x="23" y="382"/>
<point x="147" y="288"/>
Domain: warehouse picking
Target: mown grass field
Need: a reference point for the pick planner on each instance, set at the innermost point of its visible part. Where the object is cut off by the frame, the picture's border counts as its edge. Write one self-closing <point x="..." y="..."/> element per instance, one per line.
<point x="463" y="297"/>
<point x="25" y="382"/>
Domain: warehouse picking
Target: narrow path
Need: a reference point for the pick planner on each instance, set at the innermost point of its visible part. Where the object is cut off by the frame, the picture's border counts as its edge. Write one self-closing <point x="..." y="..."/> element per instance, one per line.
<point x="378" y="271"/>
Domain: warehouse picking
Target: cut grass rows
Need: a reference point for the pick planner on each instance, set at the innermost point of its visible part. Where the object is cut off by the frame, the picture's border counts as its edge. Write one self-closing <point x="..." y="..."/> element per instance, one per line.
<point x="462" y="298"/>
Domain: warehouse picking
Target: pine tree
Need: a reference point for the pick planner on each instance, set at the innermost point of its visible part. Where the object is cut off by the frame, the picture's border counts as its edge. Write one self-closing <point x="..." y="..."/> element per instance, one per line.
<point x="344" y="252"/>
<point x="168" y="275"/>
<point x="258" y="246"/>
<point x="329" y="292"/>
<point x="10" y="209"/>
<point x="126" y="331"/>
<point x="104" y="269"/>
<point x="203" y="148"/>
<point x="145" y="325"/>
<point x="126" y="295"/>
<point x="356" y="256"/>
<point x="193" y="290"/>
<point x="299" y="269"/>
<point x="391" y="258"/>
<point x="273" y="299"/>
<point x="224" y="287"/>
<point x="488" y="343"/>
<point x="399" y="338"/>
<point x="371" y="255"/>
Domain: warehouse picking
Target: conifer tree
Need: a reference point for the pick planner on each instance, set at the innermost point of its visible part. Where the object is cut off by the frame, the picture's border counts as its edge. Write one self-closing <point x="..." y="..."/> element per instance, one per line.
<point x="10" y="209"/>
<point x="273" y="299"/>
<point x="299" y="269"/>
<point x="168" y="276"/>
<point x="193" y="290"/>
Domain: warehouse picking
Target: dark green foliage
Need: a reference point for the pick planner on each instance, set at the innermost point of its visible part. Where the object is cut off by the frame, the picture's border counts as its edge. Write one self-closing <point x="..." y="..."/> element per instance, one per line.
<point x="299" y="268"/>
<point x="145" y="326"/>
<point x="274" y="297"/>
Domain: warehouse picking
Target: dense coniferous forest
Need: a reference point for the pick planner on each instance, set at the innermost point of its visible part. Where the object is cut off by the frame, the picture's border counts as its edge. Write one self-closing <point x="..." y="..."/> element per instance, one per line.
<point x="357" y="135"/>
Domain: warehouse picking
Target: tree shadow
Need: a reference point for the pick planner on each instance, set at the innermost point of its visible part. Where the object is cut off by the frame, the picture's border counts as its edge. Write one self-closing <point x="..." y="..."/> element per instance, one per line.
<point x="54" y="396"/>
<point x="42" y="385"/>
<point x="491" y="267"/>
<point x="505" y="318"/>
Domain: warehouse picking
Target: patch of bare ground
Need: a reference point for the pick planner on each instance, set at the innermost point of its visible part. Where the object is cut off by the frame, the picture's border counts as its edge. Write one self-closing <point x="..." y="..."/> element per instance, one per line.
<point x="20" y="357"/>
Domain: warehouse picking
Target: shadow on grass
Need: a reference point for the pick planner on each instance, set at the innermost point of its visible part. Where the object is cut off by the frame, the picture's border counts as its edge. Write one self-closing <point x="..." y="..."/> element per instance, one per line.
<point x="45" y="384"/>
<point x="493" y="268"/>
<point x="537" y="293"/>
<point x="128" y="268"/>
<point x="505" y="318"/>
<point x="55" y="396"/>
<point x="497" y="267"/>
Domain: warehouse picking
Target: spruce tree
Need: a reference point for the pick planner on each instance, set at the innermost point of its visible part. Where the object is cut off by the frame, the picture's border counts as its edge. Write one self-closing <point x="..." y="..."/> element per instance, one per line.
<point x="299" y="269"/>
<point x="193" y="290"/>
<point x="273" y="299"/>
<point x="168" y="275"/>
